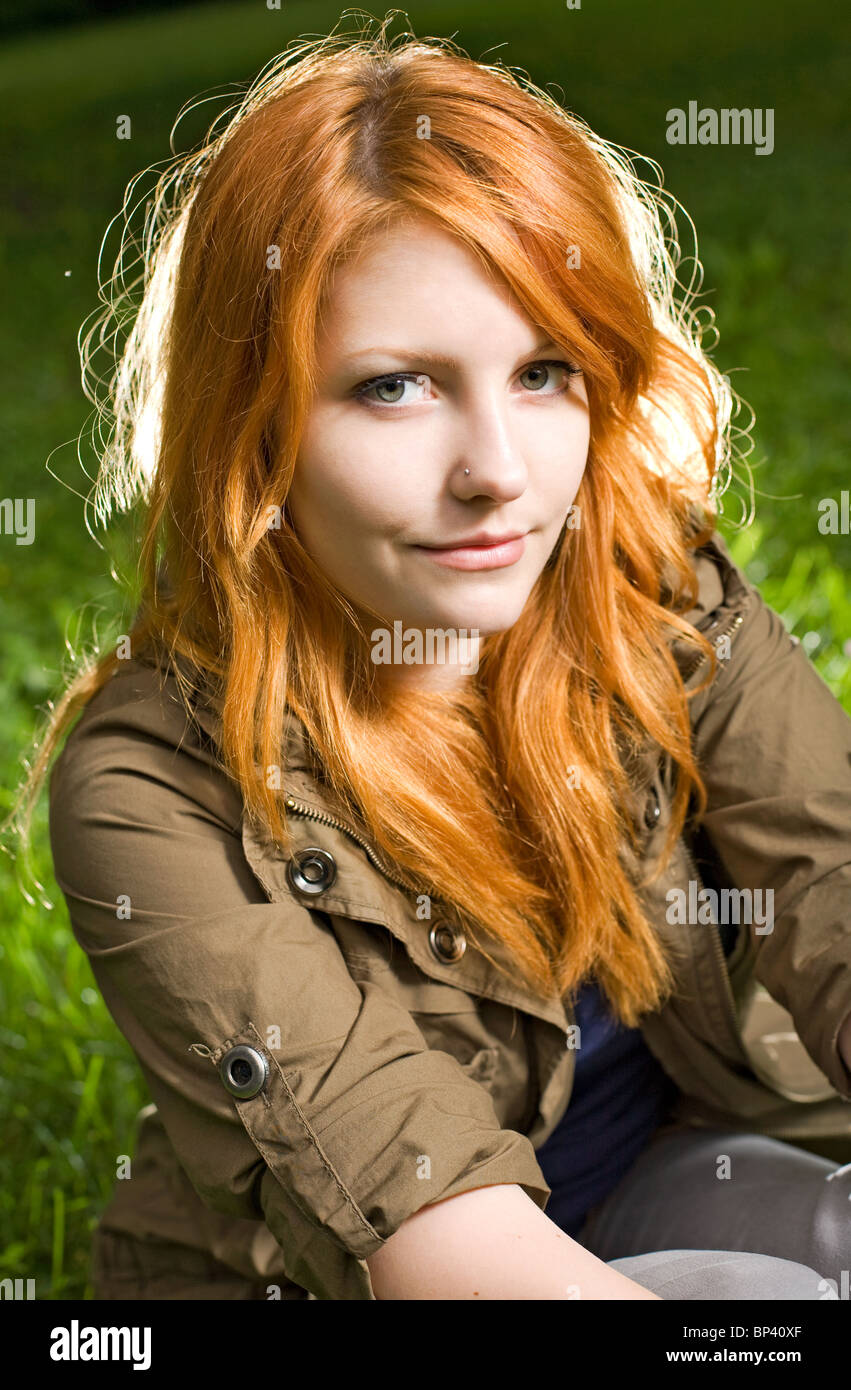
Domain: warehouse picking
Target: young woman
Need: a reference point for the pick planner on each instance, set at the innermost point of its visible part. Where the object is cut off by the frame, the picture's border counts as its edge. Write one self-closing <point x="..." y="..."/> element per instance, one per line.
<point x="384" y="825"/>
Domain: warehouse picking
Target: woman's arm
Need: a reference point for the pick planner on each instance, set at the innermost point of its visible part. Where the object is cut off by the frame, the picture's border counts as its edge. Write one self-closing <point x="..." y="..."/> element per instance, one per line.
<point x="492" y="1243"/>
<point x="774" y="748"/>
<point x="195" y="955"/>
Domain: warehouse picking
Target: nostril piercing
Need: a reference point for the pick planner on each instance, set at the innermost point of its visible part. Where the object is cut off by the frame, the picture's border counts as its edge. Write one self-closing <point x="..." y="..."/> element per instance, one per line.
<point x="466" y="470"/>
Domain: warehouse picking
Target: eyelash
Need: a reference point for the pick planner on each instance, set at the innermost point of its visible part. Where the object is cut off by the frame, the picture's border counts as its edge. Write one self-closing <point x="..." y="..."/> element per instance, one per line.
<point x="360" y="391"/>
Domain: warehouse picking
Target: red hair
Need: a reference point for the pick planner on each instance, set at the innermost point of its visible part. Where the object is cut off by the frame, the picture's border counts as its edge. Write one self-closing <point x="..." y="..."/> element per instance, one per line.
<point x="509" y="799"/>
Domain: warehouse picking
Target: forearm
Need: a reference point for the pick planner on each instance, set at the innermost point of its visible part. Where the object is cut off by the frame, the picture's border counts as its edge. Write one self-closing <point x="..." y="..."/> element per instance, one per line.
<point x="491" y="1243"/>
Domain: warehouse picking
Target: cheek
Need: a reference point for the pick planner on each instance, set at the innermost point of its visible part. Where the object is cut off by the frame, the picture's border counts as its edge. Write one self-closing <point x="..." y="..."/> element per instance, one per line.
<point x="349" y="496"/>
<point x="560" y="487"/>
<point x="578" y="453"/>
<point x="356" y="479"/>
<point x="326" y="481"/>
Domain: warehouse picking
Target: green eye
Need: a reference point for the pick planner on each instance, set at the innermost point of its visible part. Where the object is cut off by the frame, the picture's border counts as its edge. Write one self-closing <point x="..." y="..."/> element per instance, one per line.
<point x="539" y="367"/>
<point x="393" y="381"/>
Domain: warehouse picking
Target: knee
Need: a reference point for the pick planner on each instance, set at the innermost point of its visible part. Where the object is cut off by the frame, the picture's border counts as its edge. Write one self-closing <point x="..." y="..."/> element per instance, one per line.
<point x="723" y="1274"/>
<point x="832" y="1227"/>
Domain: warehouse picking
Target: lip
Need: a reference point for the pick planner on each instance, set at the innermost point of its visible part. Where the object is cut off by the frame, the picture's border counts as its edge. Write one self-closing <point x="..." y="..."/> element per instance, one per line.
<point x="480" y="552"/>
<point x="478" y="538"/>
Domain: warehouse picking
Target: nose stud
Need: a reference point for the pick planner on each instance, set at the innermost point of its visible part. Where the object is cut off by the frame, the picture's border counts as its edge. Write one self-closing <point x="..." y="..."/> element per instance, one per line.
<point x="466" y="470"/>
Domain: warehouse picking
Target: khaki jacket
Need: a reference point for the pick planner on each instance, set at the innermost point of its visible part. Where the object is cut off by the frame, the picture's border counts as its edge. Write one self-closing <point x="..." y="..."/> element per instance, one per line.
<point x="391" y="1065"/>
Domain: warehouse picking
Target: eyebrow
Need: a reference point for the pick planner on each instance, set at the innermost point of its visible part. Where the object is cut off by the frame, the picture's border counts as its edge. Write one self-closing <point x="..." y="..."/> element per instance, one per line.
<point x="434" y="359"/>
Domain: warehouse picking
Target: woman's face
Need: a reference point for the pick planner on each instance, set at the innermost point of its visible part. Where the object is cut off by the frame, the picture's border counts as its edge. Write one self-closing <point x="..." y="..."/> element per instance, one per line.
<point x="468" y="383"/>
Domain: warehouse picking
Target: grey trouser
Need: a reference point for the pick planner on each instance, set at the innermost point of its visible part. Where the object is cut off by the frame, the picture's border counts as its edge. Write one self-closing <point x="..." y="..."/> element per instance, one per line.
<point x="718" y="1213"/>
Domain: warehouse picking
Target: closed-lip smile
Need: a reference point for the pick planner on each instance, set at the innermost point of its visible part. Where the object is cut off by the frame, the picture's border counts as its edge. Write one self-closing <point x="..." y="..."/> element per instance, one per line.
<point x="480" y="551"/>
<point x="481" y="538"/>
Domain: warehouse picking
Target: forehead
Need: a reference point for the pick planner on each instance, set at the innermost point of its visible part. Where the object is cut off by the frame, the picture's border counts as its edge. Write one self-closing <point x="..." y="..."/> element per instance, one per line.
<point x="412" y="279"/>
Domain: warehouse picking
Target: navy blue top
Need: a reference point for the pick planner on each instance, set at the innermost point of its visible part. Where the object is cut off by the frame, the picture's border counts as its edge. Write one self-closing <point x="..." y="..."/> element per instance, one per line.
<point x="620" y="1095"/>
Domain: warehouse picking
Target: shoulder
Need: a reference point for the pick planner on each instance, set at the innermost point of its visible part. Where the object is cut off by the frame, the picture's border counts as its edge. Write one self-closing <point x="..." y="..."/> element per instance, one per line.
<point x="137" y="722"/>
<point x="138" y="789"/>
<point x="766" y="689"/>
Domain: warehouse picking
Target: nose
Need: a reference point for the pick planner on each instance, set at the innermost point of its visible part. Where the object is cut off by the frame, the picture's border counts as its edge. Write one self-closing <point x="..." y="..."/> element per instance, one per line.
<point x="487" y="446"/>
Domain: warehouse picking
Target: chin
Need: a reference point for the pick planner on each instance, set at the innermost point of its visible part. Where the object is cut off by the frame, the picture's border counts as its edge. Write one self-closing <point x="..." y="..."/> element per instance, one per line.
<point x="487" y="621"/>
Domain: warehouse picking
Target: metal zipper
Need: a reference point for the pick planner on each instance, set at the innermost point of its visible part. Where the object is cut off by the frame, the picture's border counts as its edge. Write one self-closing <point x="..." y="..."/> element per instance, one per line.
<point x="298" y="808"/>
<point x="700" y="657"/>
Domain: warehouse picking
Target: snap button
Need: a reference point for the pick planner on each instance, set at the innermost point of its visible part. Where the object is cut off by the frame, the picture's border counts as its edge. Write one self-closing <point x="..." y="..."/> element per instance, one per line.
<point x="652" y="809"/>
<point x="447" y="942"/>
<point x="243" y="1071"/>
<point x="312" y="870"/>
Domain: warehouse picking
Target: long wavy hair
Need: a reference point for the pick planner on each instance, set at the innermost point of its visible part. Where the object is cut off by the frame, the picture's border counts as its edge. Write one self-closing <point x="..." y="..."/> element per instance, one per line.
<point x="508" y="799"/>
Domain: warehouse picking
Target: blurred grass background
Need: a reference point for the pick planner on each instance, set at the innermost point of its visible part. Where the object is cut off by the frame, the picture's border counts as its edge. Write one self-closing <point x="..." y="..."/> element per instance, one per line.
<point x="773" y="241"/>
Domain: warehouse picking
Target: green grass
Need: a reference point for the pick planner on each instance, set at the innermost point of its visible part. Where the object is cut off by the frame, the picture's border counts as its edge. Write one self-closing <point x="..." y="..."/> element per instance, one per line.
<point x="776" y="261"/>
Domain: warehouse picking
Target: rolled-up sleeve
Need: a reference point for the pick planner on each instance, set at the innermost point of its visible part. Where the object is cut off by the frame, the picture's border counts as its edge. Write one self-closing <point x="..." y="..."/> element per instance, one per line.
<point x="774" y="746"/>
<point x="359" y="1123"/>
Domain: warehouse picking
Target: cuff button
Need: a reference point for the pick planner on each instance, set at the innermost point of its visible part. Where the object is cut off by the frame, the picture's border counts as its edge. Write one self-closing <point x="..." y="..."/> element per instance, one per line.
<point x="243" y="1071"/>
